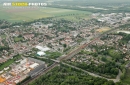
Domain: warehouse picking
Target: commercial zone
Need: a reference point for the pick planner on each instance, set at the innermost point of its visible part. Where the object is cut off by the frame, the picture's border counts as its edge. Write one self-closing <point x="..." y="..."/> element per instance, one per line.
<point x="25" y="68"/>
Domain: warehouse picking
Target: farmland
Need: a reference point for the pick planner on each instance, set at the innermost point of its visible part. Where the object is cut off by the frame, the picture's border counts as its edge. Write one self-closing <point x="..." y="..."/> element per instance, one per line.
<point x="13" y="14"/>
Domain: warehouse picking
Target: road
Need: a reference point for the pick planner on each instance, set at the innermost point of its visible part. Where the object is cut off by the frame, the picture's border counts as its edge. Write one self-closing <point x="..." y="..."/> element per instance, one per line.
<point x="10" y="43"/>
<point x="90" y="73"/>
<point x="95" y="75"/>
<point x="72" y="54"/>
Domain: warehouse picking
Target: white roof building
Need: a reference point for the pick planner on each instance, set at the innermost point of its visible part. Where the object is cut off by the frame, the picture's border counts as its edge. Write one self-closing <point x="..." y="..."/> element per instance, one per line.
<point x="40" y="53"/>
<point x="23" y="61"/>
<point x="1" y="71"/>
<point x="33" y="65"/>
<point x="43" y="48"/>
<point x="6" y="68"/>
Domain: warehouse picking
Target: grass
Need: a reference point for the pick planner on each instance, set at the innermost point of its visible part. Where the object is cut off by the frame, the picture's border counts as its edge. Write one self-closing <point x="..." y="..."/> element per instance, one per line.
<point x="9" y="62"/>
<point x="28" y="14"/>
<point x="75" y="18"/>
<point x="6" y="64"/>
<point x="53" y="55"/>
<point x="17" y="39"/>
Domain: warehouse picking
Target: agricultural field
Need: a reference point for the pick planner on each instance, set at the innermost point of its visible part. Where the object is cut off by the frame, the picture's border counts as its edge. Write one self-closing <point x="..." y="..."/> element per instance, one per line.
<point x="103" y="29"/>
<point x="19" y="14"/>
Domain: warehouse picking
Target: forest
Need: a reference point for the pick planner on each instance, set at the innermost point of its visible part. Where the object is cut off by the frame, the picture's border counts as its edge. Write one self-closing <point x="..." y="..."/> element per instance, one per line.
<point x="64" y="75"/>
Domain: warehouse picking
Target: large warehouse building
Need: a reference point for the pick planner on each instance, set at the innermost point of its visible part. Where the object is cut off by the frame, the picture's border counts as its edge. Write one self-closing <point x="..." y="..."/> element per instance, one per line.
<point x="37" y="67"/>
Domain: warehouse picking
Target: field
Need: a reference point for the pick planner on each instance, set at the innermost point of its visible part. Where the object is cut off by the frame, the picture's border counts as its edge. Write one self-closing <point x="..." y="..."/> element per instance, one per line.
<point x="103" y="29"/>
<point x="28" y="14"/>
<point x="17" y="39"/>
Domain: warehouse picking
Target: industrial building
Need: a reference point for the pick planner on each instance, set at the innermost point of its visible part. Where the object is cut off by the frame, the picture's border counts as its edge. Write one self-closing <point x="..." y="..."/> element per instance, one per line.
<point x="38" y="68"/>
<point x="26" y="67"/>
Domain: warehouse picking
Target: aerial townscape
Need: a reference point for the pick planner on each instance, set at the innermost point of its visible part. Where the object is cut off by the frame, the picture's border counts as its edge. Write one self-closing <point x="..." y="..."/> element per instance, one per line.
<point x="65" y="42"/>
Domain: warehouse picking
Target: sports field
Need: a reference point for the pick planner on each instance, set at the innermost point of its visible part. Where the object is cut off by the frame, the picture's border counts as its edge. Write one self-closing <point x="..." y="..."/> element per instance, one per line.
<point x="103" y="29"/>
<point x="27" y="14"/>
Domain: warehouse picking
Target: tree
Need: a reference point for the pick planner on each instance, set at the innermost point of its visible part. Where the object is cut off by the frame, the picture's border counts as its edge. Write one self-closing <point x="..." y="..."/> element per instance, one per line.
<point x="104" y="59"/>
<point x="110" y="82"/>
<point x="64" y="45"/>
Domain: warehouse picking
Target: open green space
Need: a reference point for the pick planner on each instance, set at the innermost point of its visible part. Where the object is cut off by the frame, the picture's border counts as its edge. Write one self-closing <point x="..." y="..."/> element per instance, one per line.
<point x="28" y="14"/>
<point x="17" y="39"/>
<point x="53" y="55"/>
<point x="6" y="64"/>
<point x="114" y="53"/>
<point x="9" y="62"/>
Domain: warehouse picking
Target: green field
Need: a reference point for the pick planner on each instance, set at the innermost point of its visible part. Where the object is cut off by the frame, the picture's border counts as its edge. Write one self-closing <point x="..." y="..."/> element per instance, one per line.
<point x="17" y="39"/>
<point x="28" y="14"/>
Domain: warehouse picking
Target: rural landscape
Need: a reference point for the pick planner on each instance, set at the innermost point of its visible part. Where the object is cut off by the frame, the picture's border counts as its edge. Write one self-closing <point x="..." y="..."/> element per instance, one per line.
<point x="13" y="14"/>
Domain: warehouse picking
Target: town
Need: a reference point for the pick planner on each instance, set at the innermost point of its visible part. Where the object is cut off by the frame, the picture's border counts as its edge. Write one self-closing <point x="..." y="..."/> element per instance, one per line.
<point x="27" y="49"/>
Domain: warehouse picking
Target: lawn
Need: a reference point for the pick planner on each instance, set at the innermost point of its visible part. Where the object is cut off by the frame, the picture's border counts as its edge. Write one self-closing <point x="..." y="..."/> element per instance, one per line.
<point x="9" y="62"/>
<point x="114" y="54"/>
<point x="28" y="14"/>
<point x="52" y="55"/>
<point x="17" y="39"/>
<point x="6" y="64"/>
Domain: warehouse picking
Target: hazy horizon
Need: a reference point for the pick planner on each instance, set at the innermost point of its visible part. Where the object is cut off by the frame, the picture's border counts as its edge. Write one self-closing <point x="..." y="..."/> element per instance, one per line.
<point x="71" y="0"/>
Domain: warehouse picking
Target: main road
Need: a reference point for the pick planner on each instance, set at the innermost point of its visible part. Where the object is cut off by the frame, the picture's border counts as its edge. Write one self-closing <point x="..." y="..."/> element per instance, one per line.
<point x="71" y="54"/>
<point x="117" y="79"/>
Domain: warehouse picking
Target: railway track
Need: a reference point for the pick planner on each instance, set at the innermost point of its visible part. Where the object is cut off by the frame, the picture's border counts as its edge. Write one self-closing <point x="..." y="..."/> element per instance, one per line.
<point x="67" y="57"/>
<point x="40" y="74"/>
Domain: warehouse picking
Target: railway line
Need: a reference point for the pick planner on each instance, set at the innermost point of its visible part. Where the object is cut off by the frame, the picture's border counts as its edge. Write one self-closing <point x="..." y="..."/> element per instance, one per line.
<point x="40" y="74"/>
<point x="66" y="57"/>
